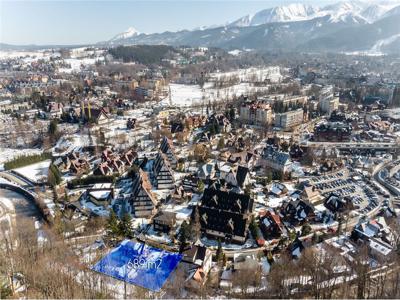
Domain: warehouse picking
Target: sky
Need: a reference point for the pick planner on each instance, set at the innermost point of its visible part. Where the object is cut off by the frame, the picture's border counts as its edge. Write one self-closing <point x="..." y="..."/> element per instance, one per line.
<point x="73" y="22"/>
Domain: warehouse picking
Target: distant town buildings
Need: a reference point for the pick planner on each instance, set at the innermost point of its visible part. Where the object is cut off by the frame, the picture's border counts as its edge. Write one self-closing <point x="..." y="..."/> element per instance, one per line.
<point x="329" y="102"/>
<point x="332" y="132"/>
<point x="289" y="119"/>
<point x="256" y="113"/>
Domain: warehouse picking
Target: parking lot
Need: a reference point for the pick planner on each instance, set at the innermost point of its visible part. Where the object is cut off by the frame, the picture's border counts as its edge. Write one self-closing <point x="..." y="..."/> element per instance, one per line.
<point x="364" y="193"/>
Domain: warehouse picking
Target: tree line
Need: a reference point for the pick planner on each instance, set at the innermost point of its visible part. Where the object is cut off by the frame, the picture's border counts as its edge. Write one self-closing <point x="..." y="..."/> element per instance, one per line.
<point x="143" y="54"/>
<point x="25" y="160"/>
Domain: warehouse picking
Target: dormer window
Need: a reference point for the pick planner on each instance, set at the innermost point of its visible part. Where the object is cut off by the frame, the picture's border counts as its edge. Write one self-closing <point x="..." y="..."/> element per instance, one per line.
<point x="204" y="217"/>
<point x="215" y="199"/>
<point x="239" y="204"/>
<point x="231" y="224"/>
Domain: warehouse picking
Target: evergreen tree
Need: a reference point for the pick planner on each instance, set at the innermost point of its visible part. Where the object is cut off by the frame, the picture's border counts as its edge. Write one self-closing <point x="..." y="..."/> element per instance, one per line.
<point x="195" y="225"/>
<point x="306" y="229"/>
<point x="221" y="143"/>
<point x="216" y="128"/>
<point x="183" y="235"/>
<point x="53" y="128"/>
<point x="55" y="175"/>
<point x="220" y="254"/>
<point x="232" y="114"/>
<point x="212" y="130"/>
<point x="125" y="225"/>
<point x="51" y="180"/>
<point x="112" y="225"/>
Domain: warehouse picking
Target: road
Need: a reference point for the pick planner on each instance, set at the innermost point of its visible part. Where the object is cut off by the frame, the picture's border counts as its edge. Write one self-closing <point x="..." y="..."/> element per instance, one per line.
<point x="15" y="179"/>
<point x="351" y="145"/>
<point x="14" y="207"/>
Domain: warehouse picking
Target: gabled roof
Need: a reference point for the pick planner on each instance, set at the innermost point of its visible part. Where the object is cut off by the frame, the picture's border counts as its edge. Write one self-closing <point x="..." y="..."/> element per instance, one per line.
<point x="224" y="200"/>
<point x="222" y="221"/>
<point x="161" y="160"/>
<point x="281" y="158"/>
<point x="166" y="217"/>
<point x="195" y="254"/>
<point x="240" y="174"/>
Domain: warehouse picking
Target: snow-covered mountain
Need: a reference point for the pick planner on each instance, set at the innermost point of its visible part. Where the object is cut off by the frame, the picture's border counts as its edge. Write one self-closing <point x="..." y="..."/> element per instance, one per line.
<point x="360" y="12"/>
<point x="347" y="12"/>
<point x="288" y="13"/>
<point x="130" y="32"/>
<point x="354" y="25"/>
<point x="374" y="12"/>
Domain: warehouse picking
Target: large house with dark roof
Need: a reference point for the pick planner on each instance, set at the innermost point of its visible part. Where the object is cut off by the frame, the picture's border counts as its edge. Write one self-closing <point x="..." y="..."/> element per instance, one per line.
<point x="238" y="176"/>
<point x="95" y="114"/>
<point x="162" y="172"/>
<point x="225" y="215"/>
<point x="142" y="201"/>
<point x="297" y="211"/>
<point x="167" y="148"/>
<point x="277" y="160"/>
<point x="164" y="221"/>
<point x="338" y="204"/>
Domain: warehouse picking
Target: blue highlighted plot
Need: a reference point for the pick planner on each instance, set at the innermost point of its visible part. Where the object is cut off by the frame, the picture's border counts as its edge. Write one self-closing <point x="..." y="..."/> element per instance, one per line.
<point x="139" y="264"/>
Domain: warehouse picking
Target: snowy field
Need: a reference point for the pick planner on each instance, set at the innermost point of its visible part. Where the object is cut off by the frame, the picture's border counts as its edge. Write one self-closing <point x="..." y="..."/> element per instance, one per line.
<point x="79" y="57"/>
<point x="8" y="154"/>
<point x="35" y="172"/>
<point x="28" y="56"/>
<point x="252" y="74"/>
<point x="67" y="144"/>
<point x="76" y="64"/>
<point x="187" y="95"/>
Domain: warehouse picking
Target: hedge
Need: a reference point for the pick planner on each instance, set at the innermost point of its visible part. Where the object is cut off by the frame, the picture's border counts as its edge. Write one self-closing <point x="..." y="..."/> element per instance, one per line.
<point x="26" y="160"/>
<point x="91" y="180"/>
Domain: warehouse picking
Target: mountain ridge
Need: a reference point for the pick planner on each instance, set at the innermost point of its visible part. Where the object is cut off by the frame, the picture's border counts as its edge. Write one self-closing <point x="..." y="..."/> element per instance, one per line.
<point x="290" y="27"/>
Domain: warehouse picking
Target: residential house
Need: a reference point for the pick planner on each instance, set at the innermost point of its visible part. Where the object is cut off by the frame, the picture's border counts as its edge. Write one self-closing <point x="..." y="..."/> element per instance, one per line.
<point x="98" y="115"/>
<point x="289" y="119"/>
<point x="243" y="261"/>
<point x="244" y="158"/>
<point x="164" y="221"/>
<point x="271" y="224"/>
<point x="162" y="172"/>
<point x="100" y="194"/>
<point x="225" y="215"/>
<point x="338" y="204"/>
<point x="167" y="148"/>
<point x="54" y="110"/>
<point x="312" y="194"/>
<point x="256" y="112"/>
<point x="297" y="211"/>
<point x="141" y="199"/>
<point x="276" y="160"/>
<point x="197" y="261"/>
<point x="239" y="176"/>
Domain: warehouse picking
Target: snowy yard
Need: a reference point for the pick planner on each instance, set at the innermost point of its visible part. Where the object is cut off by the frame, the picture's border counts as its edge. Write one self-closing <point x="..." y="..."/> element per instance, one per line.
<point x="36" y="172"/>
<point x="8" y="154"/>
<point x="182" y="211"/>
<point x="187" y="95"/>
<point x="250" y="243"/>
<point x="98" y="210"/>
<point x="157" y="236"/>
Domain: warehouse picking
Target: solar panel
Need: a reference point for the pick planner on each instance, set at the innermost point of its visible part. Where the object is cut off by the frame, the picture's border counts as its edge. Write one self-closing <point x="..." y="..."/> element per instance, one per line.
<point x="139" y="264"/>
